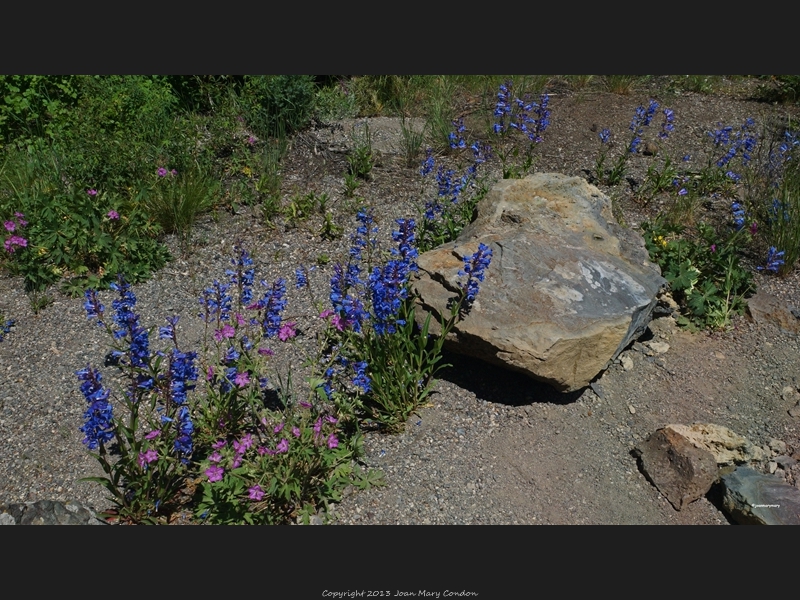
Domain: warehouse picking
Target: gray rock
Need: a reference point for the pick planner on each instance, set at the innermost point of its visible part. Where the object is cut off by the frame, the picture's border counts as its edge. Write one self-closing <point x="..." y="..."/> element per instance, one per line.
<point x="766" y="308"/>
<point x="47" y="512"/>
<point x="681" y="471"/>
<point x="753" y="498"/>
<point x="567" y="289"/>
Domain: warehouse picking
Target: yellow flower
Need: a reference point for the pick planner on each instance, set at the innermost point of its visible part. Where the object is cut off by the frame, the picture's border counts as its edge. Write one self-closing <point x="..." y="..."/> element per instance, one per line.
<point x="42" y="251"/>
<point x="247" y="171"/>
<point x="659" y="240"/>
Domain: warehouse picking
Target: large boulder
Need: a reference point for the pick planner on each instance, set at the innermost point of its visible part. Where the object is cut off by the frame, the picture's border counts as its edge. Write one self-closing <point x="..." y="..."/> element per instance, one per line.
<point x="567" y="289"/>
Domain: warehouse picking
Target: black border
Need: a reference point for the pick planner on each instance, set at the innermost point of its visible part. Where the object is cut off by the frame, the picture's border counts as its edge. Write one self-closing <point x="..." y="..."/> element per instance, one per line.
<point x="496" y="562"/>
<point x="409" y="38"/>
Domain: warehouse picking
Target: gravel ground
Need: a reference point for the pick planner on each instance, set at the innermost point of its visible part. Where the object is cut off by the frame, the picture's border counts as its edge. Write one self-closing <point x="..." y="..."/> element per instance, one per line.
<point x="492" y="447"/>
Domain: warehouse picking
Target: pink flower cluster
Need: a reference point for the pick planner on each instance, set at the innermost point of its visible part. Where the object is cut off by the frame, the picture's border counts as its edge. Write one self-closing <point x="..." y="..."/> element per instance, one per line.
<point x="15" y="241"/>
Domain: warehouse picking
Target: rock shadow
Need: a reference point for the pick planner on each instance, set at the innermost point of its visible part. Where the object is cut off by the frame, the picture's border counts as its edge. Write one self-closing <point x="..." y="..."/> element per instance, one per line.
<point x="496" y="384"/>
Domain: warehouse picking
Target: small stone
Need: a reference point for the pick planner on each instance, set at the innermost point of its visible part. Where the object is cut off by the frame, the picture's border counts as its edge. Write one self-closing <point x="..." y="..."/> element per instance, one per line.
<point x="777" y="446"/>
<point x="772" y="466"/>
<point x="658" y="347"/>
<point x="632" y="409"/>
<point x="795" y="411"/>
<point x="785" y="462"/>
<point x="626" y="362"/>
<point x="650" y="149"/>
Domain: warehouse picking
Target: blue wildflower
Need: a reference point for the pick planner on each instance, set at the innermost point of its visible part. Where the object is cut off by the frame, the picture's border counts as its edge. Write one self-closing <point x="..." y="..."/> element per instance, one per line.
<point x="455" y="138"/>
<point x="99" y="417"/>
<point x="182" y="370"/>
<point x="93" y="307"/>
<point x="428" y="163"/>
<point x="738" y="215"/>
<point x="361" y="378"/>
<point x="216" y="302"/>
<point x="300" y="277"/>
<point x="168" y="332"/>
<point x="128" y="323"/>
<point x="183" y="442"/>
<point x="6" y="328"/>
<point x="243" y="276"/>
<point x="774" y="260"/>
<point x="474" y="267"/>
<point x="273" y="303"/>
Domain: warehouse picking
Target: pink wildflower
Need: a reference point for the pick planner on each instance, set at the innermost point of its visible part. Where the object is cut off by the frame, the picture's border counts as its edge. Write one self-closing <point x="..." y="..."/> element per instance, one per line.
<point x="226" y="332"/>
<point x="283" y="446"/>
<point x="92" y="192"/>
<point x="242" y="445"/>
<point x="153" y="434"/>
<point x="10" y="226"/>
<point x="266" y="352"/>
<point x="242" y="379"/>
<point x="287" y="331"/>
<point x="11" y="243"/>
<point x="113" y="215"/>
<point x="214" y="473"/>
<point x="255" y="493"/>
<point x="332" y="441"/>
<point x="338" y="322"/>
<point x="146" y="458"/>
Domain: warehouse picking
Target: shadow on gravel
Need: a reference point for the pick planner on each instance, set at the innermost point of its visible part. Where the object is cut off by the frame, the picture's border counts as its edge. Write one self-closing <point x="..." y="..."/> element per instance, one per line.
<point x="495" y="384"/>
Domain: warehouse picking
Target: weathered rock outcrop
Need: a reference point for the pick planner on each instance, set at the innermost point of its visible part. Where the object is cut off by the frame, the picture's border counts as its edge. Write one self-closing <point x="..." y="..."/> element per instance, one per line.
<point x="567" y="289"/>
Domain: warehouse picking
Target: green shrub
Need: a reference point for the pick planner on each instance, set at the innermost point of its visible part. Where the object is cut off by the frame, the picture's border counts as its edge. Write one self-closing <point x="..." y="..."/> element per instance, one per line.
<point x="704" y="273"/>
<point x="278" y="103"/>
<point x="33" y="106"/>
<point x="780" y="88"/>
<point x="76" y="234"/>
<point x="175" y="199"/>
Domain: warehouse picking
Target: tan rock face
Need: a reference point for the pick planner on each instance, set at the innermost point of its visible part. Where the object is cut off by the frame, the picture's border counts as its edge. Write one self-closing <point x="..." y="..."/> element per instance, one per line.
<point x="567" y="289"/>
<point x="728" y="447"/>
